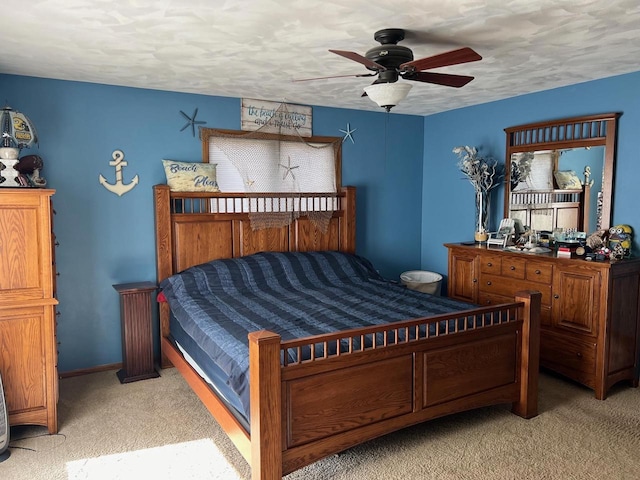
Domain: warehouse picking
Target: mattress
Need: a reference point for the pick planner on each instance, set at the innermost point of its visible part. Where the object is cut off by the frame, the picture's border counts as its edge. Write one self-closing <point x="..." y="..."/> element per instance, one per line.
<point x="293" y="294"/>
<point x="204" y="366"/>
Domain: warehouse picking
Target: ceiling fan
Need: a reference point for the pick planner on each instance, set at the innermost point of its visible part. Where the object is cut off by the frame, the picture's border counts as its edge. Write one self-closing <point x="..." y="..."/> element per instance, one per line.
<point x="390" y="62"/>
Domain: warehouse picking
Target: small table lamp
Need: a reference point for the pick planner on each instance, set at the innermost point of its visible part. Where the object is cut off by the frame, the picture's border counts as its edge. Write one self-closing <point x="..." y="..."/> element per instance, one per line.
<point x="17" y="133"/>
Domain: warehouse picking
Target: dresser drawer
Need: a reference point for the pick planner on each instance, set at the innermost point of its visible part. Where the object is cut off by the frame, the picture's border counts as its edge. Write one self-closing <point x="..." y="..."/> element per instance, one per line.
<point x="506" y="287"/>
<point x="568" y="355"/>
<point x="485" y="299"/>
<point x="490" y="264"/>
<point x="514" y="267"/>
<point x="539" y="272"/>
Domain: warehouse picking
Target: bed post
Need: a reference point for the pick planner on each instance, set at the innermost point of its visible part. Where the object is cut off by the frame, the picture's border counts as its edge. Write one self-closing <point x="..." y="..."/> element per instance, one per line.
<point x="164" y="265"/>
<point x="266" y="401"/>
<point x="348" y="222"/>
<point x="527" y="405"/>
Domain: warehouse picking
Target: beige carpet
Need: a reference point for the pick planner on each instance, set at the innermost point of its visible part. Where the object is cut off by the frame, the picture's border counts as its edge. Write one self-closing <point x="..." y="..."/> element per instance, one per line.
<point x="158" y="429"/>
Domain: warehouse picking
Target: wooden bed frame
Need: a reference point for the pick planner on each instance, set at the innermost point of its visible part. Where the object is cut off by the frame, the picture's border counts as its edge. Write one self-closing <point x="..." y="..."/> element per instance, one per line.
<point x="304" y="411"/>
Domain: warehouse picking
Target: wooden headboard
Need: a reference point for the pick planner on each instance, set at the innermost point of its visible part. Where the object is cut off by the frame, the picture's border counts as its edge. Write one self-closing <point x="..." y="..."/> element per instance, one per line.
<point x="188" y="232"/>
<point x="549" y="209"/>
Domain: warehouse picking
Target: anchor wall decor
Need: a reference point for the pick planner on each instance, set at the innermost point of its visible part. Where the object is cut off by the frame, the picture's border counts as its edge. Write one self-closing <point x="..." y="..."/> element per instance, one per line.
<point x="119" y="188"/>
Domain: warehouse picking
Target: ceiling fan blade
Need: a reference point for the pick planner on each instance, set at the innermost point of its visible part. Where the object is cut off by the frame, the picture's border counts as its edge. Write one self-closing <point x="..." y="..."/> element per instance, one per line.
<point x="334" y="76"/>
<point x="439" y="78"/>
<point x="356" y="57"/>
<point x="454" y="57"/>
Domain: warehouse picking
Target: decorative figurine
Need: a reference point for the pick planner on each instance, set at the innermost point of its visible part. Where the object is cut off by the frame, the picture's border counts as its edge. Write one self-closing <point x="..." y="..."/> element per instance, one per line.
<point x="597" y="240"/>
<point x="620" y="241"/>
<point x="29" y="167"/>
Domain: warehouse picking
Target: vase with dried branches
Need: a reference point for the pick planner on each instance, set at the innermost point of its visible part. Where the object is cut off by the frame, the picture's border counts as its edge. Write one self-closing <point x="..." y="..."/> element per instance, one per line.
<point x="484" y="173"/>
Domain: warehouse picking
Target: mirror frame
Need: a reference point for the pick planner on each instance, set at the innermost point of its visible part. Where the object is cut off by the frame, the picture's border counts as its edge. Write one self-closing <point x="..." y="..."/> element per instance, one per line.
<point x="574" y="132"/>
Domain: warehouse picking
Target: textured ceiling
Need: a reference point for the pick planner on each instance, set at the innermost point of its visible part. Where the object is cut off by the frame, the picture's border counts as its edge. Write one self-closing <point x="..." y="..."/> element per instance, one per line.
<point x="255" y="48"/>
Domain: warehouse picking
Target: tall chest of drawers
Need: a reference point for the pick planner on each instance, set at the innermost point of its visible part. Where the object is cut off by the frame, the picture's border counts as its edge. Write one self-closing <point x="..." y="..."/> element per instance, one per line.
<point x="590" y="310"/>
<point x="28" y="358"/>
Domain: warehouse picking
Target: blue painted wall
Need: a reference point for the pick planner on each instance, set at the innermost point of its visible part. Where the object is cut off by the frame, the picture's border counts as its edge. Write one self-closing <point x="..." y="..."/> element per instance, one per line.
<point x="106" y="239"/>
<point x="448" y="200"/>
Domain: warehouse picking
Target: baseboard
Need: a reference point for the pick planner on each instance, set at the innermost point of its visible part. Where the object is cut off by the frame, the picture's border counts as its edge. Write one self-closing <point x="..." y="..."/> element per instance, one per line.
<point x="86" y="371"/>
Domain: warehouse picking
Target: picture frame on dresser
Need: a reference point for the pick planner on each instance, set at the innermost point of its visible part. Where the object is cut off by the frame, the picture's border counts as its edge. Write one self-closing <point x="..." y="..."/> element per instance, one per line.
<point x="502" y="236"/>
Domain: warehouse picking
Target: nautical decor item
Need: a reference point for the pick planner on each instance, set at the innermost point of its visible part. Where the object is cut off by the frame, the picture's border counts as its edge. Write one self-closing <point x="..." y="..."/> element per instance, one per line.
<point x="276" y="117"/>
<point x="17" y="133"/>
<point x="119" y="188"/>
<point x="348" y="133"/>
<point x="191" y="122"/>
<point x="484" y="174"/>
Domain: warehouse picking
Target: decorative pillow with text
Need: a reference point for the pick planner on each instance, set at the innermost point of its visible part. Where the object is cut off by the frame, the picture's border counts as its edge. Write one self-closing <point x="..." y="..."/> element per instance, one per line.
<point x="567" y="180"/>
<point x="191" y="176"/>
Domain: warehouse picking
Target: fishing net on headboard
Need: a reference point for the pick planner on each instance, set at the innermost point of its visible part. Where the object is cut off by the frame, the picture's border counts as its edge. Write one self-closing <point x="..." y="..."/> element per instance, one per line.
<point x="288" y="167"/>
<point x="531" y="182"/>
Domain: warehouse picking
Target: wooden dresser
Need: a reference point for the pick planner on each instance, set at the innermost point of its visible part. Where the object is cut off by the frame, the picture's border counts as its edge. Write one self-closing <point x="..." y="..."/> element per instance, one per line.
<point x="590" y="310"/>
<point x="28" y="358"/>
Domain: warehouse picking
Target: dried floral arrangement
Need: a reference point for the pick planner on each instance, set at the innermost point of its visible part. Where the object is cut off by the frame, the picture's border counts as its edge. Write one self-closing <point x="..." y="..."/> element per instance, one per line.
<point x="484" y="173"/>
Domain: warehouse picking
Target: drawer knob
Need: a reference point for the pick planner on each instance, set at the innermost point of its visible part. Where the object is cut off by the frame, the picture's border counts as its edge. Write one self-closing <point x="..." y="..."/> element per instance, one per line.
<point x="512" y="267"/>
<point x="538" y="272"/>
<point x="489" y="264"/>
<point x="489" y="283"/>
<point x="579" y="354"/>
<point x="475" y="280"/>
<point x="556" y="296"/>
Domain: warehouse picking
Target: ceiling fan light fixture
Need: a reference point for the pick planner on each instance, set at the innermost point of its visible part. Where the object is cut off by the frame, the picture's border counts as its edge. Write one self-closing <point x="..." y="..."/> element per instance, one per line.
<point x="388" y="95"/>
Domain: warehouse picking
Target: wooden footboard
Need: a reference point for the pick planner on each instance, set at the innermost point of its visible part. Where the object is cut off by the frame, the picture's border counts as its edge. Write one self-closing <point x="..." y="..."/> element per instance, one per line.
<point x="304" y="410"/>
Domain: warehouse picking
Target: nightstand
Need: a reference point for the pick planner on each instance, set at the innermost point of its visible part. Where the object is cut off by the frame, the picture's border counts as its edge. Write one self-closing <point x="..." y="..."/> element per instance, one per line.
<point x="137" y="332"/>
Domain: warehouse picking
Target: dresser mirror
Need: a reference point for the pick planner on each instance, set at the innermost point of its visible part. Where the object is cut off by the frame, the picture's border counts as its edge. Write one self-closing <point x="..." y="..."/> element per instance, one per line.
<point x="559" y="174"/>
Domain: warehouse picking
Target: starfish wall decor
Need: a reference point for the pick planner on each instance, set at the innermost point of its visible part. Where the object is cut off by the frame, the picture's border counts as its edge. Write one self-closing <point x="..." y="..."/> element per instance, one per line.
<point x="191" y="121"/>
<point x="347" y="133"/>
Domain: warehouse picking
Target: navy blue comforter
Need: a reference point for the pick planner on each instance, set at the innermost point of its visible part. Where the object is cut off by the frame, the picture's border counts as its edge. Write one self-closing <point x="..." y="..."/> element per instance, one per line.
<point x="292" y="294"/>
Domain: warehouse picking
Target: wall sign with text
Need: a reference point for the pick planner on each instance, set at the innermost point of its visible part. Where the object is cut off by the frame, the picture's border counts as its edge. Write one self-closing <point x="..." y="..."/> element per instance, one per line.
<point x="276" y="117"/>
